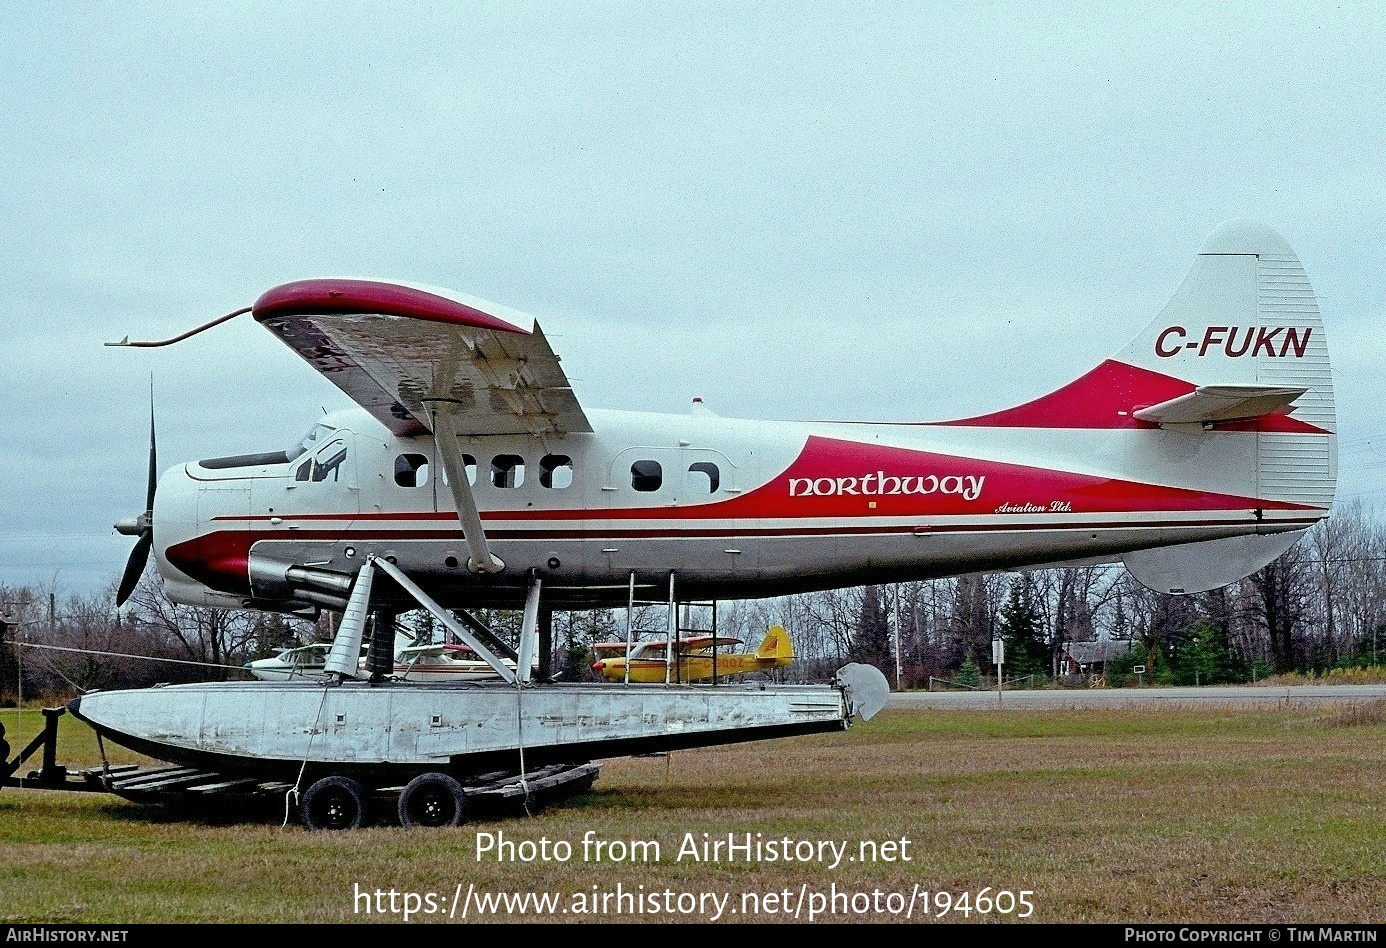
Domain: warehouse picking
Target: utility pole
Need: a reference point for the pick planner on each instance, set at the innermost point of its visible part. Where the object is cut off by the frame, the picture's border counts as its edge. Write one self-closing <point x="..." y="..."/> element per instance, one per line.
<point x="897" y="636"/>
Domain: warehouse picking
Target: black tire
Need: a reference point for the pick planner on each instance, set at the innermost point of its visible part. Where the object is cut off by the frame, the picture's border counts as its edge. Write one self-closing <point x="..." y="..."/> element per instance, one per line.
<point x="433" y="800"/>
<point x="334" y="803"/>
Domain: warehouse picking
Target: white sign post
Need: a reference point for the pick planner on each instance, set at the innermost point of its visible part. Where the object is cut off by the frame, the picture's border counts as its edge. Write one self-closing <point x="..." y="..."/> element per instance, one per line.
<point x="998" y="658"/>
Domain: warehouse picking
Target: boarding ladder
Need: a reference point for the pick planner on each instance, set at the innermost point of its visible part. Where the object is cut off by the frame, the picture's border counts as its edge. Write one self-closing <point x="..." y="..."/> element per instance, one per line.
<point x="677" y="627"/>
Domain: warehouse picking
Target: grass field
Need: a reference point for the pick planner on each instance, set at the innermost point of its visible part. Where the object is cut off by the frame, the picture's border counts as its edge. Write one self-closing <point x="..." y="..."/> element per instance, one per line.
<point x="1179" y="815"/>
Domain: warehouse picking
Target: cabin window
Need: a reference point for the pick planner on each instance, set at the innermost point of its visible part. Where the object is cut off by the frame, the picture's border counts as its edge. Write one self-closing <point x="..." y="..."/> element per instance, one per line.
<point x="556" y="471"/>
<point x="646" y="475"/>
<point x="411" y="470"/>
<point x="328" y="464"/>
<point x="507" y="470"/>
<point x="305" y="470"/>
<point x="469" y="468"/>
<point x="703" y="477"/>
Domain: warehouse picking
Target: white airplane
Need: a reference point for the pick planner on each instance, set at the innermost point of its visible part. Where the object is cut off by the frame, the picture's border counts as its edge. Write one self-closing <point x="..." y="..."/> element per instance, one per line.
<point x="470" y="476"/>
<point x="1196" y="454"/>
<point x="293" y="664"/>
<point x="443" y="663"/>
<point x="412" y="663"/>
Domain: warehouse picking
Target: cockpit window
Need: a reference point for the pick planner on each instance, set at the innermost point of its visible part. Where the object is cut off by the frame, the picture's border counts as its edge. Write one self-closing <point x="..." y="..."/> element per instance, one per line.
<point x="309" y="441"/>
<point x="328" y="465"/>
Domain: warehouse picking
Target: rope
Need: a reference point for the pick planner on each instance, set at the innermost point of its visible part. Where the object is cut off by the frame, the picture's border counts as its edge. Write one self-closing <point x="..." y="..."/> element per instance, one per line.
<point x="292" y="793"/>
<point x="59" y="672"/>
<point x="520" y="740"/>
<point x="180" y="337"/>
<point x="146" y="658"/>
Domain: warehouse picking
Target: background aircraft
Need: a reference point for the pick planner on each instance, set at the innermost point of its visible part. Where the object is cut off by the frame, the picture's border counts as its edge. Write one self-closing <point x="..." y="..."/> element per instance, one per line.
<point x="696" y="658"/>
<point x="289" y="664"/>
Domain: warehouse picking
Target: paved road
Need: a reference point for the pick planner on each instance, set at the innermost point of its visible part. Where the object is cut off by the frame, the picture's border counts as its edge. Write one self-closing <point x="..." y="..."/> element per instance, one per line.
<point x="1281" y="696"/>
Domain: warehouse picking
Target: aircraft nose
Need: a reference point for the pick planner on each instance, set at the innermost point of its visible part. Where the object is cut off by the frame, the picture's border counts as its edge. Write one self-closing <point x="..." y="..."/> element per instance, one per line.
<point x="598" y="666"/>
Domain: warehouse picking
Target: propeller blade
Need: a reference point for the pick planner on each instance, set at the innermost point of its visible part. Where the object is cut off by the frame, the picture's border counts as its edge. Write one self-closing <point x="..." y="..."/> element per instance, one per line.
<point x="134" y="567"/>
<point x="153" y="457"/>
<point x="139" y="556"/>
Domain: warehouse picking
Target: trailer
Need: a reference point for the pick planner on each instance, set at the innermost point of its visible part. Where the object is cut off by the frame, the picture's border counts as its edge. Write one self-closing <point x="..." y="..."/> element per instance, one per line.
<point x="343" y="753"/>
<point x="215" y="794"/>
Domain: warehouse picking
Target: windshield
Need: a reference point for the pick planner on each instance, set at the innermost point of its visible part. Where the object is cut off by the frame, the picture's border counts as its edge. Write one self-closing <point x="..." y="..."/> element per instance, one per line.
<point x="311" y="440"/>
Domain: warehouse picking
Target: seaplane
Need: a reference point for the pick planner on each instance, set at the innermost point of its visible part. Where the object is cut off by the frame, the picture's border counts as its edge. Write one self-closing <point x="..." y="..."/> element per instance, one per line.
<point x="695" y="658"/>
<point x="470" y="475"/>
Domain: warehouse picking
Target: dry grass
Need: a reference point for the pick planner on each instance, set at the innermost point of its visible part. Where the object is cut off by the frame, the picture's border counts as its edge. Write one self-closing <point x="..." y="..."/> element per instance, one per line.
<point x="1371" y="675"/>
<point x="1357" y="713"/>
<point x="1180" y="815"/>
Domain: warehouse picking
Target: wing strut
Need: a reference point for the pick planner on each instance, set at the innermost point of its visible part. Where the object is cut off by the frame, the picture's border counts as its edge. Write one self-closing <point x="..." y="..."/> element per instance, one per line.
<point x="480" y="560"/>
<point x="445" y="617"/>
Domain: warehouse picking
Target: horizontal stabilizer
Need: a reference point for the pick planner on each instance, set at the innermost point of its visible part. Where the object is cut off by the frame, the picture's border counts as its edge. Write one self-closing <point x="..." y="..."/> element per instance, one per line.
<point x="1210" y="403"/>
<point x="1211" y="564"/>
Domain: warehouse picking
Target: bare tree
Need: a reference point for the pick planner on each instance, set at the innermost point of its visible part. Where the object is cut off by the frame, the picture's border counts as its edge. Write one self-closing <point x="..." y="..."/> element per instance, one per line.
<point x="202" y="633"/>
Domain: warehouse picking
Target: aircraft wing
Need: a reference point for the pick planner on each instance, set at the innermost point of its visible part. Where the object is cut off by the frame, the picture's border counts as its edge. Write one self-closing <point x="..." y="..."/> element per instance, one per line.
<point x="422" y="651"/>
<point x="699" y="642"/>
<point x="306" y="649"/>
<point x="395" y="349"/>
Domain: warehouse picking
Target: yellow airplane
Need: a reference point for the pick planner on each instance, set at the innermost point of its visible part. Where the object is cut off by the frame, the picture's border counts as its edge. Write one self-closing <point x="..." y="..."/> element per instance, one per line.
<point x="694" y="658"/>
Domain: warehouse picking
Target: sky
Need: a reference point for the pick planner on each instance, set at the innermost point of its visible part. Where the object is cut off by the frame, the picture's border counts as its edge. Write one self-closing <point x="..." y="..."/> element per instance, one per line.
<point x="879" y="211"/>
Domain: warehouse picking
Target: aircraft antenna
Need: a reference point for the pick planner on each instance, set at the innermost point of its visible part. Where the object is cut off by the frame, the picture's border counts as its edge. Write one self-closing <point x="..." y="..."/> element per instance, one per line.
<point x="179" y="338"/>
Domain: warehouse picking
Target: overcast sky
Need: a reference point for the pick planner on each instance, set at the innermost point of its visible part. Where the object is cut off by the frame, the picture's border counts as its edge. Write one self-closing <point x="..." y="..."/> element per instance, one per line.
<point x="874" y="211"/>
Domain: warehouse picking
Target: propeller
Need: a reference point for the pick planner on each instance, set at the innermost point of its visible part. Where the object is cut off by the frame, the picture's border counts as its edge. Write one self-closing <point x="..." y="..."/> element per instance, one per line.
<point x="141" y="526"/>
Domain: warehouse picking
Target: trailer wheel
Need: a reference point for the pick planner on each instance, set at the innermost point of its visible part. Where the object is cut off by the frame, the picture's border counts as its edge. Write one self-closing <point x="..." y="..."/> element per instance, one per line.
<point x="334" y="803"/>
<point x="433" y="800"/>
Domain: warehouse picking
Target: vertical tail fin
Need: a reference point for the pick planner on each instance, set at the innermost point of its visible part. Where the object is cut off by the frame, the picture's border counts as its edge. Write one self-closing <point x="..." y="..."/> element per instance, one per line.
<point x="1243" y="325"/>
<point x="1227" y="397"/>
<point x="1245" y="316"/>
<point x="1239" y="348"/>
<point x="775" y="644"/>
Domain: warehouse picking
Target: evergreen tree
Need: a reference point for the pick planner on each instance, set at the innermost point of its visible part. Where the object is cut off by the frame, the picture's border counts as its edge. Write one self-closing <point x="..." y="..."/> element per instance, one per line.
<point x="871" y="638"/>
<point x="1207" y="657"/>
<point x="1022" y="630"/>
<point x="969" y="674"/>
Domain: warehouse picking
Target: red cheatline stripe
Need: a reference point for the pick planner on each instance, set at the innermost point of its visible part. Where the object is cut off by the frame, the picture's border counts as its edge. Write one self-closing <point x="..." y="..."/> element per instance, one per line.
<point x="672" y="533"/>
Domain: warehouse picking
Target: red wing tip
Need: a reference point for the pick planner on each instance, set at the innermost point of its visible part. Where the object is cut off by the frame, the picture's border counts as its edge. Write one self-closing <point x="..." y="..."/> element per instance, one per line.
<point x="337" y="296"/>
